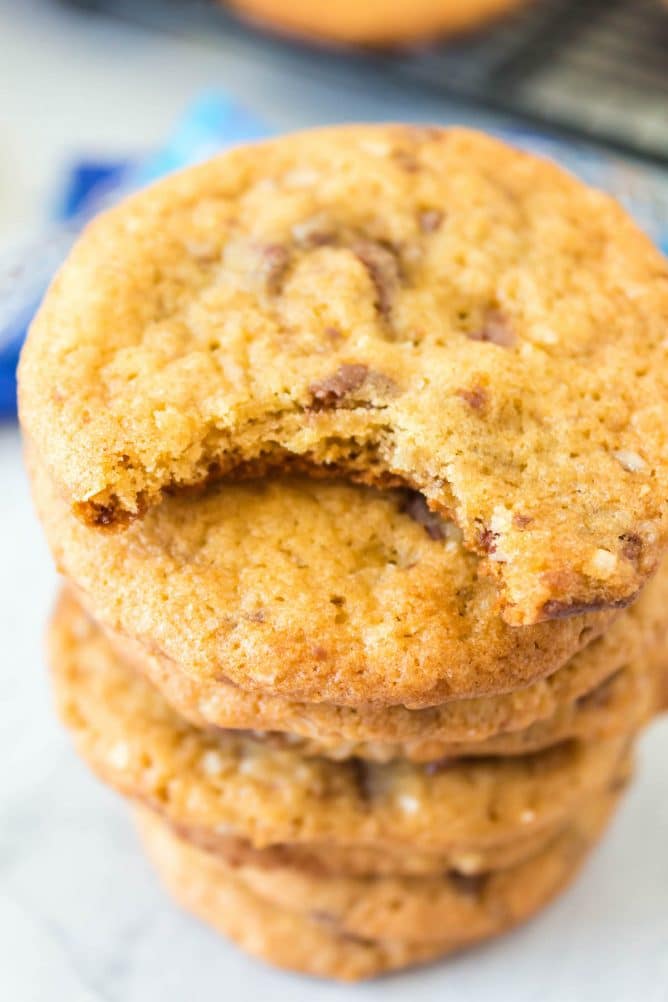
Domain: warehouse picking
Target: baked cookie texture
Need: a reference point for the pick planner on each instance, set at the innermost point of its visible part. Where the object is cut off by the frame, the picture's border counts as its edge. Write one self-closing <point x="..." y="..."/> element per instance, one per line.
<point x="349" y="929"/>
<point x="397" y="305"/>
<point x="448" y="906"/>
<point x="317" y="591"/>
<point x="374" y="22"/>
<point x="613" y="685"/>
<point x="233" y="784"/>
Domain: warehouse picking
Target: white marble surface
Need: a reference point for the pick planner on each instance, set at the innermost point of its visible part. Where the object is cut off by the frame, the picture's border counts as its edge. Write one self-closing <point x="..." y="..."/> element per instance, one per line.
<point x="81" y="916"/>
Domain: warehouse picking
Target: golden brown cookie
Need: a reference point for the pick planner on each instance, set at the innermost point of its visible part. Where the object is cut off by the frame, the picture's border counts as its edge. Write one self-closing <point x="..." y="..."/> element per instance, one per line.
<point x="320" y="592"/>
<point x="627" y="700"/>
<point x="278" y="925"/>
<point x="370" y="861"/>
<point x="601" y="691"/>
<point x="227" y="784"/>
<point x="450" y="906"/>
<point x="280" y="937"/>
<point x="391" y="304"/>
<point x="374" y="22"/>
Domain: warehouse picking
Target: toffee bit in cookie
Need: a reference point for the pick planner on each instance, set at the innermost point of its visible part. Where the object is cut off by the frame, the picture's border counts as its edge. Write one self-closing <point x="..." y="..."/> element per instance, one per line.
<point x="430" y="220"/>
<point x="495" y="329"/>
<point x="631" y="546"/>
<point x="487" y="539"/>
<point x="383" y="268"/>
<point x="258" y="616"/>
<point x="415" y="506"/>
<point x="469" y="884"/>
<point x="521" y="521"/>
<point x="475" y="397"/>
<point x="629" y="461"/>
<point x="274" y="260"/>
<point x="330" y="391"/>
<point x="407" y="161"/>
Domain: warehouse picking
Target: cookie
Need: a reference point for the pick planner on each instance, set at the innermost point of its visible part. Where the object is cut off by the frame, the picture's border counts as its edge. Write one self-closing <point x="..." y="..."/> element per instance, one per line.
<point x="451" y="905"/>
<point x="280" y="937"/>
<point x="374" y="22"/>
<point x="368" y="861"/>
<point x="393" y="304"/>
<point x="610" y="683"/>
<point x="319" y="592"/>
<point x="627" y="700"/>
<point x="231" y="784"/>
<point x="319" y="942"/>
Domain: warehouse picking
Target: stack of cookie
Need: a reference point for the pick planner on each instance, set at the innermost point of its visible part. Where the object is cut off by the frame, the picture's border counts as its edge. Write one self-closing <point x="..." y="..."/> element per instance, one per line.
<point x="352" y="450"/>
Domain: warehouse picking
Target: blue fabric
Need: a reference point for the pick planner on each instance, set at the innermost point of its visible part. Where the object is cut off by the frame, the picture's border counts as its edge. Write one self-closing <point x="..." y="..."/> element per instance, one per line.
<point x="213" y="122"/>
<point x="84" y="178"/>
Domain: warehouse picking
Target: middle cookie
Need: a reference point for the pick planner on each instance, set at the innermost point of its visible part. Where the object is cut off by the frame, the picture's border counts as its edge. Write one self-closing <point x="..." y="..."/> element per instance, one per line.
<point x="321" y="592"/>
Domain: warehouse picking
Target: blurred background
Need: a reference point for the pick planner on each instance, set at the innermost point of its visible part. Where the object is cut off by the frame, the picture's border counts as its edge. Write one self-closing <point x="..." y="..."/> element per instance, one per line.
<point x="109" y="76"/>
<point x="96" y="98"/>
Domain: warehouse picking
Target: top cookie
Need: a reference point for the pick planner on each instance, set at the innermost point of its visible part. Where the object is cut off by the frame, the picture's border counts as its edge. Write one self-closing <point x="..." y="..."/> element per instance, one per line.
<point x="385" y="303"/>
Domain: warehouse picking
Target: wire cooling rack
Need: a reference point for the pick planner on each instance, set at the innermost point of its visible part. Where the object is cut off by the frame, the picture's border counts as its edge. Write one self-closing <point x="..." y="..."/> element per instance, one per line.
<point x="591" y="68"/>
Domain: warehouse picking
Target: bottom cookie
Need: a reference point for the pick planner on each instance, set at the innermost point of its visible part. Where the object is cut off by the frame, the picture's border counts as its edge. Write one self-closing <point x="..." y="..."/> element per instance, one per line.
<point x="350" y="930"/>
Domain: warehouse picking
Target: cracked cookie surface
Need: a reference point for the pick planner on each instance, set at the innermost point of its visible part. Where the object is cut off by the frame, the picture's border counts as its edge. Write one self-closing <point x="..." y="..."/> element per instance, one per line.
<point x="389" y="303"/>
